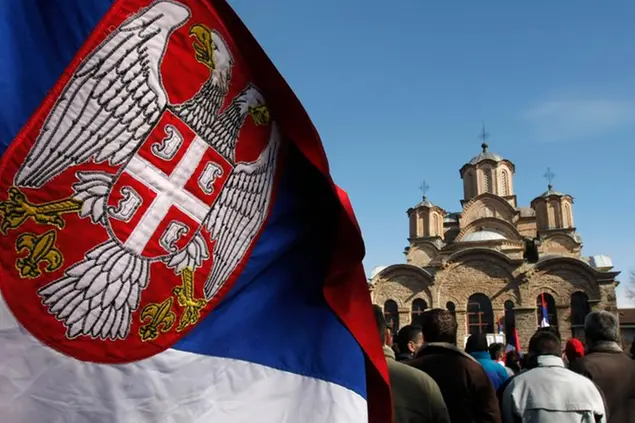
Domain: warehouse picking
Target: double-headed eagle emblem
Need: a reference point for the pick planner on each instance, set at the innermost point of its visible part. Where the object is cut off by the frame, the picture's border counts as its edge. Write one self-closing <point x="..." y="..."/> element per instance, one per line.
<point x="175" y="187"/>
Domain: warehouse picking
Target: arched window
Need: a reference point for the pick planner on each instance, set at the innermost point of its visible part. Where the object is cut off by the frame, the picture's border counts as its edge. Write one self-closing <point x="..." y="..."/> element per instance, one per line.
<point x="510" y="322"/>
<point x="435" y="225"/>
<point x="566" y="216"/>
<point x="480" y="316"/>
<point x="391" y="313"/>
<point x="469" y="185"/>
<point x="551" y="215"/>
<point x="546" y="313"/>
<point x="579" y="310"/>
<point x="418" y="307"/>
<point x="413" y="225"/>
<point x="557" y="213"/>
<point x="541" y="216"/>
<point x="451" y="308"/>
<point x="504" y="182"/>
<point x="488" y="181"/>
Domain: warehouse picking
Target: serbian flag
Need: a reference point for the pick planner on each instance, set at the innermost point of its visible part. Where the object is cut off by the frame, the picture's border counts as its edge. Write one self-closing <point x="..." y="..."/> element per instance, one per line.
<point x="172" y="246"/>
<point x="513" y="343"/>
<point x="544" y="322"/>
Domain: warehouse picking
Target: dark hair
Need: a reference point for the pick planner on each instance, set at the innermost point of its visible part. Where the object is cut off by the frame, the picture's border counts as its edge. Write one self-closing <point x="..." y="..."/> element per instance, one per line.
<point x="380" y="320"/>
<point x="544" y="343"/>
<point x="512" y="360"/>
<point x="524" y="361"/>
<point x="476" y="342"/>
<point x="551" y="329"/>
<point x="496" y="350"/>
<point x="406" y="334"/>
<point x="438" y="325"/>
<point x="601" y="326"/>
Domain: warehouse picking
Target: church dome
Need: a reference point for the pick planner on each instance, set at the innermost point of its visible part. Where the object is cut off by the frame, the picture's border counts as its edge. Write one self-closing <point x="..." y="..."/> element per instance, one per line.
<point x="426" y="203"/>
<point x="550" y="191"/>
<point x="377" y="270"/>
<point x="483" y="235"/>
<point x="485" y="155"/>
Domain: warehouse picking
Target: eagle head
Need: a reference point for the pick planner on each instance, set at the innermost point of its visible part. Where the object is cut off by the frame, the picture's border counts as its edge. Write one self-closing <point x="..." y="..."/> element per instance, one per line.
<point x="211" y="50"/>
<point x="252" y="102"/>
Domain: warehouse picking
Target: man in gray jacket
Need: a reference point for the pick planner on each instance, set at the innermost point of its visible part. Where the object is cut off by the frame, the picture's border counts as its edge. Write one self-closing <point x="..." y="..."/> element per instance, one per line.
<point x="608" y="366"/>
<point x="416" y="397"/>
<point x="549" y="392"/>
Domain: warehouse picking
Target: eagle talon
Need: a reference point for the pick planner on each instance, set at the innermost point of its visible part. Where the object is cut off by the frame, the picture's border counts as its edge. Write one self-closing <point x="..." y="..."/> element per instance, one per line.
<point x="185" y="297"/>
<point x="17" y="209"/>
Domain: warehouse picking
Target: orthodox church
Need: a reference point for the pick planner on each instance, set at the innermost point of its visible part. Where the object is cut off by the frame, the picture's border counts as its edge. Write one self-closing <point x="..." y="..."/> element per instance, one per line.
<point x="502" y="269"/>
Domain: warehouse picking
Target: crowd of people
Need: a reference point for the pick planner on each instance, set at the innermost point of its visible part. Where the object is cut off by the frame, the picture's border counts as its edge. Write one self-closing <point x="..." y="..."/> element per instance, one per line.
<point x="433" y="380"/>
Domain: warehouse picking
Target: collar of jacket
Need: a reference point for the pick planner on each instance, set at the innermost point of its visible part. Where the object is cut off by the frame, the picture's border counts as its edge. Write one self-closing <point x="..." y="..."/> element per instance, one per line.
<point x="549" y="361"/>
<point x="405" y="356"/>
<point x="388" y="352"/>
<point x="447" y="346"/>
<point x="481" y="355"/>
<point x="605" y="346"/>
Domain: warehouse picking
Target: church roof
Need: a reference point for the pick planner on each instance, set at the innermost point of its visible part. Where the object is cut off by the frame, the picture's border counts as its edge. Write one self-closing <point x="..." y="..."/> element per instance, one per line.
<point x="376" y="271"/>
<point x="485" y="155"/>
<point x="550" y="191"/>
<point x="601" y="262"/>
<point x="526" y="211"/>
<point x="483" y="235"/>
<point x="426" y="202"/>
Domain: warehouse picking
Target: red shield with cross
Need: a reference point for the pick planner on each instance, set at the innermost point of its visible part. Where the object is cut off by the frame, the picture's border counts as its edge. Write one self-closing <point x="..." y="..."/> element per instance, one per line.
<point x="163" y="194"/>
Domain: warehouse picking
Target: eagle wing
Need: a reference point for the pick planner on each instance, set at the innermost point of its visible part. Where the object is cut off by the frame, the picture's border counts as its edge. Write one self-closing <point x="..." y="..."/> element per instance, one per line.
<point x="239" y="212"/>
<point x="97" y="296"/>
<point x="111" y="102"/>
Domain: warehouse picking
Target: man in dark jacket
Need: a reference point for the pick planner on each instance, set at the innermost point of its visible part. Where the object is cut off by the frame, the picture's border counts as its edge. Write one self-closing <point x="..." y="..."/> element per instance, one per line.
<point x="608" y="366"/>
<point x="416" y="398"/>
<point x="467" y="391"/>
<point x="409" y="340"/>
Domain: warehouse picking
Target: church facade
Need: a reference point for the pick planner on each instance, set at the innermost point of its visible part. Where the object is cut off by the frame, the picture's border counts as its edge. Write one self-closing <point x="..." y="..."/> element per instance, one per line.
<point x="478" y="262"/>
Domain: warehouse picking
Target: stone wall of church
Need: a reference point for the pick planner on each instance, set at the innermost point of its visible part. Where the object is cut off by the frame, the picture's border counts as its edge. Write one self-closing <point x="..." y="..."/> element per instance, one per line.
<point x="499" y="281"/>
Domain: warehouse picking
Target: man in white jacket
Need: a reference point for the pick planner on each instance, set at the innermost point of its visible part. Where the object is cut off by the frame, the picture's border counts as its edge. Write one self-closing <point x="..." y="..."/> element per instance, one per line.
<point x="549" y="392"/>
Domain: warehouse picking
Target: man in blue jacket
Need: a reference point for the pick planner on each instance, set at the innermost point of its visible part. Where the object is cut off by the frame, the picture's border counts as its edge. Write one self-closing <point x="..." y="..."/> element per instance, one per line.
<point x="477" y="347"/>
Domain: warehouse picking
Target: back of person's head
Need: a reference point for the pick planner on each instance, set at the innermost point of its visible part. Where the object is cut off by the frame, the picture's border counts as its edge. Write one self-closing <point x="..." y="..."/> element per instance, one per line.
<point x="380" y="320"/>
<point x="476" y="342"/>
<point x="574" y="349"/>
<point x="497" y="351"/>
<point x="551" y="329"/>
<point x="512" y="360"/>
<point x="524" y="362"/>
<point x="409" y="335"/>
<point x="601" y="326"/>
<point x="544" y="343"/>
<point x="438" y="325"/>
<point x="633" y="350"/>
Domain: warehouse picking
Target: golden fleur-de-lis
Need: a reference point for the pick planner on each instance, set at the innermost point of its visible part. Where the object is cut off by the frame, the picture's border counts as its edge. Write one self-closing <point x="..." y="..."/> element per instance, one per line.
<point x="41" y="249"/>
<point x="260" y="114"/>
<point x="185" y="297"/>
<point x="160" y="318"/>
<point x="17" y="209"/>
